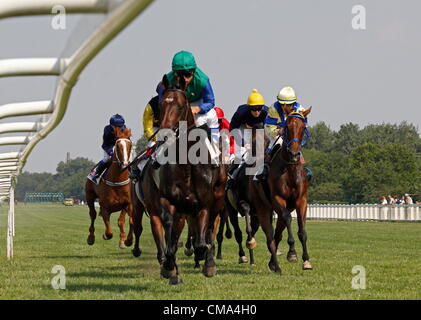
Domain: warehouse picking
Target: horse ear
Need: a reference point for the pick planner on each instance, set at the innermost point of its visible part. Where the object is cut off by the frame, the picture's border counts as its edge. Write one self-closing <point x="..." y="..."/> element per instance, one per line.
<point x="165" y="82"/>
<point x="305" y="113"/>
<point x="182" y="83"/>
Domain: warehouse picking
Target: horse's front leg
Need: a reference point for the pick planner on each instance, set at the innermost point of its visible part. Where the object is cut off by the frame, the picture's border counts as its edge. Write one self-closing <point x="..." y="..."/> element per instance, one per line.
<point x="284" y="221"/>
<point x="120" y="222"/>
<point x="302" y="233"/>
<point x="206" y="224"/>
<point x="129" y="211"/>
<point x="169" y="266"/>
<point x="189" y="251"/>
<point x="233" y="217"/>
<point x="106" y="217"/>
<point x="265" y="217"/>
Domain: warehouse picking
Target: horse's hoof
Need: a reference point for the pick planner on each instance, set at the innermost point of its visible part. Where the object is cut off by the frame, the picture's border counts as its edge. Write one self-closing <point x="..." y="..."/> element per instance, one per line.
<point x="167" y="274"/>
<point x="107" y="236"/>
<point x="219" y="256"/>
<point x="209" y="271"/>
<point x="128" y="243"/>
<point x="251" y="244"/>
<point x="136" y="252"/>
<point x="243" y="259"/>
<point x="197" y="265"/>
<point x="121" y="245"/>
<point x="278" y="252"/>
<point x="90" y="240"/>
<point x="307" y="265"/>
<point x="228" y="234"/>
<point x="292" y="257"/>
<point x="175" y="280"/>
<point x="273" y="267"/>
<point x="188" y="252"/>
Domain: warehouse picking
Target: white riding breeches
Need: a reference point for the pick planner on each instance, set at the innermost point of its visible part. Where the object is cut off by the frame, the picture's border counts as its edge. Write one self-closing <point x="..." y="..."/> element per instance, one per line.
<point x="211" y="119"/>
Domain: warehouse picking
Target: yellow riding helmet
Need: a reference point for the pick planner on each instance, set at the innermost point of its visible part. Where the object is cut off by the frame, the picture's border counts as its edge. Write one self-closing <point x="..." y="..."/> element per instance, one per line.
<point x="287" y="95"/>
<point x="255" y="99"/>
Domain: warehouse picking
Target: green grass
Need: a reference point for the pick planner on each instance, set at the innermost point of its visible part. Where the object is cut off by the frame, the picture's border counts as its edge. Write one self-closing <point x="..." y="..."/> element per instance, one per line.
<point x="49" y="235"/>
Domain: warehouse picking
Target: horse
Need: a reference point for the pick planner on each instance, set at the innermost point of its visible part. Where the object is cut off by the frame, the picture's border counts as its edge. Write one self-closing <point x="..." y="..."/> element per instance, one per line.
<point x="113" y="191"/>
<point x="238" y="200"/>
<point x="285" y="190"/>
<point x="175" y="192"/>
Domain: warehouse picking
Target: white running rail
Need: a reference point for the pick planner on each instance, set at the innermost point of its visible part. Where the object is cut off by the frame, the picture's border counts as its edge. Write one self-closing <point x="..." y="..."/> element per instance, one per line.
<point x="364" y="212"/>
<point x="119" y="14"/>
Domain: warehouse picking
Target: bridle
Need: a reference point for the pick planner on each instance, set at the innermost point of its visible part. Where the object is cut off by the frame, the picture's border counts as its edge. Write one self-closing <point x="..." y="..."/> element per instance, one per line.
<point x="285" y="138"/>
<point x="286" y="142"/>
<point x="118" y="161"/>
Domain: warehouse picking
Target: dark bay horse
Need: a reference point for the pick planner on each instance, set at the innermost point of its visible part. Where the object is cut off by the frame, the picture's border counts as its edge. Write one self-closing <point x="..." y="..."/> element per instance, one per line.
<point x="178" y="191"/>
<point x="287" y="190"/>
<point x="238" y="200"/>
<point x="113" y="191"/>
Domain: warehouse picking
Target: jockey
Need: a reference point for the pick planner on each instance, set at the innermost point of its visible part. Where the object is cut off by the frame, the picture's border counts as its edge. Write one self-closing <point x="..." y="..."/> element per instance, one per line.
<point x="247" y="116"/>
<point x="151" y="118"/>
<point x="278" y="112"/>
<point x="108" y="143"/>
<point x="199" y="92"/>
<point x="227" y="140"/>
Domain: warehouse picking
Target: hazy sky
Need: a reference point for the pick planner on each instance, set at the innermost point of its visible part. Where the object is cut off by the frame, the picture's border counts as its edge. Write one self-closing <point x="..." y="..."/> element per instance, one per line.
<point x="360" y="76"/>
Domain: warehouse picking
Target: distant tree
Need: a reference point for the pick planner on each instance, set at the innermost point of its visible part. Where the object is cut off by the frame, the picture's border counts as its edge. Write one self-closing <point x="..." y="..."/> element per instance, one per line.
<point x="347" y="138"/>
<point x="380" y="170"/>
<point x="141" y="144"/>
<point x="69" y="179"/>
<point x="330" y="192"/>
<point x="322" y="138"/>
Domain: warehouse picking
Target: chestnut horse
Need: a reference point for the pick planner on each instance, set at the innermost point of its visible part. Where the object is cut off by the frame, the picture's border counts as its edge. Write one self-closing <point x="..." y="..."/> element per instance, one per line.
<point x="113" y="191"/>
<point x="175" y="192"/>
<point x="287" y="191"/>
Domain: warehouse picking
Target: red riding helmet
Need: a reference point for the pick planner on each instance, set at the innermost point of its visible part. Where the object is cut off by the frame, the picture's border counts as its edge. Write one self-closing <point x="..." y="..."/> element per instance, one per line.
<point x="219" y="113"/>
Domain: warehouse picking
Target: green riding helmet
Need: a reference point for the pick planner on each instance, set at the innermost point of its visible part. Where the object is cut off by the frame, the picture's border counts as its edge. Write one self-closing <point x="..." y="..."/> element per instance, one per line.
<point x="183" y="60"/>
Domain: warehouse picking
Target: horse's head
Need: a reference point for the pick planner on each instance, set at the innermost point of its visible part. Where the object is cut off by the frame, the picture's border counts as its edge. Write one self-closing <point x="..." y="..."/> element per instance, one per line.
<point x="174" y="104"/>
<point x="295" y="133"/>
<point x="123" y="146"/>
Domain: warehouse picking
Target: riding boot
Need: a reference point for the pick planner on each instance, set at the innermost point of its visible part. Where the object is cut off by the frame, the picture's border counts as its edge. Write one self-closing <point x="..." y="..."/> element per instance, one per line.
<point x="135" y="174"/>
<point x="233" y="172"/>
<point x="102" y="165"/>
<point x="265" y="171"/>
<point x="309" y="173"/>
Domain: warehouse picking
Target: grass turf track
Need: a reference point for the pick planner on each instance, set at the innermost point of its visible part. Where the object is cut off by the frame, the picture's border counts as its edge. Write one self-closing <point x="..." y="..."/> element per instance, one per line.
<point x="49" y="235"/>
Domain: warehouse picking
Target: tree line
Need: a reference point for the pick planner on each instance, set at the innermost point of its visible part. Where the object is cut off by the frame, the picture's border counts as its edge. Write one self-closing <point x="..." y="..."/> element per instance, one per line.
<point x="70" y="178"/>
<point x="359" y="165"/>
<point x="350" y="165"/>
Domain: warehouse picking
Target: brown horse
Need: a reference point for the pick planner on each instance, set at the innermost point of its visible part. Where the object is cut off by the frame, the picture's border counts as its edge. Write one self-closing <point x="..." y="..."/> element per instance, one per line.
<point x="284" y="190"/>
<point x="113" y="191"/>
<point x="178" y="191"/>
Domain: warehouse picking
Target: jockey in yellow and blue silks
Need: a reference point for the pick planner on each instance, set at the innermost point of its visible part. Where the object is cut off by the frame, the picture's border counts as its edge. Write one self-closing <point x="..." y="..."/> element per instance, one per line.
<point x="275" y="123"/>
<point x="108" y="142"/>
